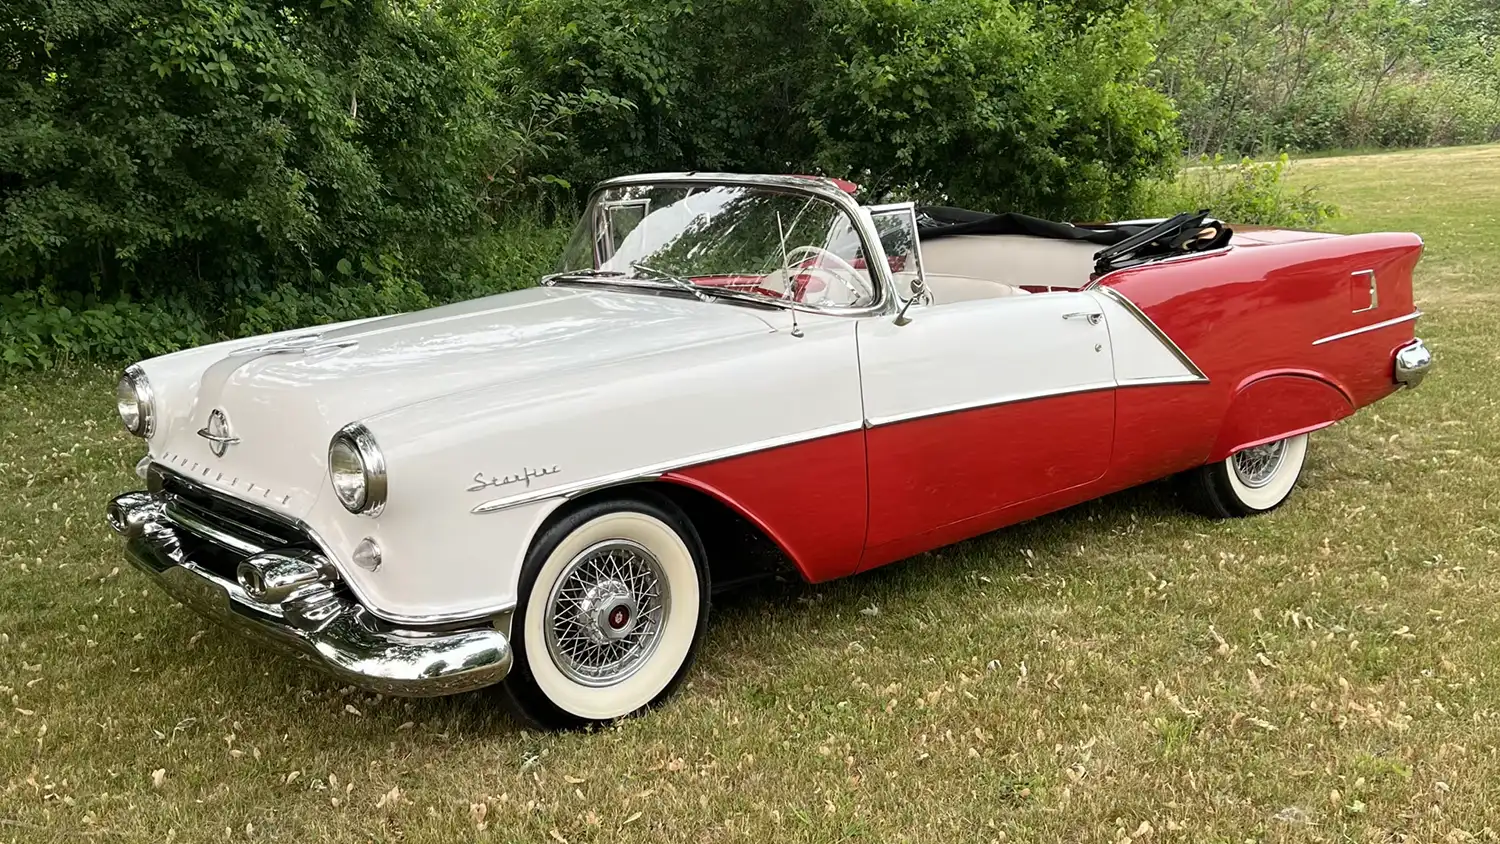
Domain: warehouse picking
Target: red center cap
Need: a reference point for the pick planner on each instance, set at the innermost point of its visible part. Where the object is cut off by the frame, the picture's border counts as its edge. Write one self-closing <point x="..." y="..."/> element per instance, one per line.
<point x="618" y="617"/>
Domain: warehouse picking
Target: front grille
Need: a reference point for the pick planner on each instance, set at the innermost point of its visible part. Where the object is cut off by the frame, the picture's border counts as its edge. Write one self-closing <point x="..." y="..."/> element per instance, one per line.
<point x="228" y="529"/>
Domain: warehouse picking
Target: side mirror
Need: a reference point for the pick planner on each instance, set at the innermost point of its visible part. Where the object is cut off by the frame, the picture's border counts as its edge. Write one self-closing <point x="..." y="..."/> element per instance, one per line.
<point x="918" y="291"/>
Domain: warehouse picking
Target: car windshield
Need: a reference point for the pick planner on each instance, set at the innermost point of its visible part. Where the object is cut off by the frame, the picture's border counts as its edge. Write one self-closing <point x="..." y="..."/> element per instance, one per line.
<point x="777" y="246"/>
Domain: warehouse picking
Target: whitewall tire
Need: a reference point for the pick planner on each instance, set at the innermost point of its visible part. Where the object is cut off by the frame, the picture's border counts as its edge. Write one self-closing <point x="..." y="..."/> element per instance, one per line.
<point x="613" y="604"/>
<point x="1253" y="480"/>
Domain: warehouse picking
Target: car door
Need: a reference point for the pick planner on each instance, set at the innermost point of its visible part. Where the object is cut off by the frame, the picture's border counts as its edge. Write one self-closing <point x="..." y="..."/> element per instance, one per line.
<point x="975" y="406"/>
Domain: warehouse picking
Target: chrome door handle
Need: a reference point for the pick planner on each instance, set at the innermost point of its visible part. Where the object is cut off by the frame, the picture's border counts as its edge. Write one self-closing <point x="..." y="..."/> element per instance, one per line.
<point x="1092" y="316"/>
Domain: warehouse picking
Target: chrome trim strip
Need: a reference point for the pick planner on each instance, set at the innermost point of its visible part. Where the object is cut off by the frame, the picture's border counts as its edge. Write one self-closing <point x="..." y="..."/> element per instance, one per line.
<point x="1140" y="315"/>
<point x="656" y="470"/>
<point x="876" y="422"/>
<point x="183" y="516"/>
<point x="1155" y="380"/>
<point x="1376" y="327"/>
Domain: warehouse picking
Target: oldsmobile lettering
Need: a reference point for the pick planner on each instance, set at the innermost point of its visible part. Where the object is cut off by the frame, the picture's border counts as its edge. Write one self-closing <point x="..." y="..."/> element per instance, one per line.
<point x="522" y="477"/>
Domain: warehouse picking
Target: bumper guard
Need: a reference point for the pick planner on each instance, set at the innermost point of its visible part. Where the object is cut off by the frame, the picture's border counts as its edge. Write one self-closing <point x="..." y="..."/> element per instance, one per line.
<point x="1412" y="362"/>
<point x="315" y="616"/>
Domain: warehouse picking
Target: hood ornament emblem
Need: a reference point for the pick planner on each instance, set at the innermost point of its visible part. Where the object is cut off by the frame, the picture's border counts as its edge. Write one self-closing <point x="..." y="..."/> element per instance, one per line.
<point x="217" y="433"/>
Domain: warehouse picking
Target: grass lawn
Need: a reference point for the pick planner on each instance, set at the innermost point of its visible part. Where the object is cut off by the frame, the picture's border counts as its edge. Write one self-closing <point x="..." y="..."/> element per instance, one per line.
<point x="1120" y="670"/>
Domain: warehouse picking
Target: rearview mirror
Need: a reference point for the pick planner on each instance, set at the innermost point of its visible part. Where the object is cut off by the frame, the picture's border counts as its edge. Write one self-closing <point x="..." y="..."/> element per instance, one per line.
<point x="918" y="291"/>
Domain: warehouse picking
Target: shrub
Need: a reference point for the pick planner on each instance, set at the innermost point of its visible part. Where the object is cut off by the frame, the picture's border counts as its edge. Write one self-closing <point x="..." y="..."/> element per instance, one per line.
<point x="1246" y="192"/>
<point x="172" y="171"/>
<point x="42" y="328"/>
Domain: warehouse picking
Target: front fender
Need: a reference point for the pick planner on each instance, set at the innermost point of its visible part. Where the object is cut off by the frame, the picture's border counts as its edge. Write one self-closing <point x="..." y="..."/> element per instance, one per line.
<point x="1274" y="406"/>
<point x="475" y="474"/>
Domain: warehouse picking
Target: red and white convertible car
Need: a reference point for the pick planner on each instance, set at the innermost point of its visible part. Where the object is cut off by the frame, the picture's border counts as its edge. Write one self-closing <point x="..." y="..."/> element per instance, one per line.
<point x="536" y="490"/>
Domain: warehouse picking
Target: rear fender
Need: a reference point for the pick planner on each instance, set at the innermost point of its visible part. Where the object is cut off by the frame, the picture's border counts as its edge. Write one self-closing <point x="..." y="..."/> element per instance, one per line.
<point x="1273" y="406"/>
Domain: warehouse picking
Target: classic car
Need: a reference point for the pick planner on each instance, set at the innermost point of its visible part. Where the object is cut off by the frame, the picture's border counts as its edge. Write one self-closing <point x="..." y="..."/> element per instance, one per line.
<point x="537" y="490"/>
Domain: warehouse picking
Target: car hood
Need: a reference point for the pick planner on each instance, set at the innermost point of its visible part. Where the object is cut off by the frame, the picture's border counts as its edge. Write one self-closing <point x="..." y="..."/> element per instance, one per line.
<point x="284" y="399"/>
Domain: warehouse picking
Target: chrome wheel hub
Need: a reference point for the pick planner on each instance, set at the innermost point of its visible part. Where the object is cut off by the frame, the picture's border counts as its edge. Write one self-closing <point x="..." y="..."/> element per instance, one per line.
<point x="611" y="611"/>
<point x="1255" y="467"/>
<point x="605" y="613"/>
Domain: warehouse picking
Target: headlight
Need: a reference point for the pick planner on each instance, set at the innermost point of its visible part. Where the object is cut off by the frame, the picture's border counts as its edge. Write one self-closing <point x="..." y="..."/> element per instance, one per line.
<point x="356" y="469"/>
<point x="134" y="400"/>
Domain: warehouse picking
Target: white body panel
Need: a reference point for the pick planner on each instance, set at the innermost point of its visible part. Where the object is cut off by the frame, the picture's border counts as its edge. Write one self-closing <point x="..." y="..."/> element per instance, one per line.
<point x="1140" y="355"/>
<point x="983" y="352"/>
<point x="592" y="382"/>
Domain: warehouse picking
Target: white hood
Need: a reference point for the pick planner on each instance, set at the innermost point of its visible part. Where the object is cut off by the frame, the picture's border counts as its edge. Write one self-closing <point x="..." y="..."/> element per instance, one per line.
<point x="285" y="404"/>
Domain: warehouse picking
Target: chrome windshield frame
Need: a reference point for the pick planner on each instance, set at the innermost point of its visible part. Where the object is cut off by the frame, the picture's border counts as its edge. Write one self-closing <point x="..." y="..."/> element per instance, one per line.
<point x="817" y="186"/>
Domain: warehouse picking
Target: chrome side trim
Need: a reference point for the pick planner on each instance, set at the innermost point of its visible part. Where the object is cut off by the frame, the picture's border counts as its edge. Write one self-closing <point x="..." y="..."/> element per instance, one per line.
<point x="1376" y="327"/>
<point x="876" y="422"/>
<point x="1156" y="380"/>
<point x="1140" y="315"/>
<point x="656" y="470"/>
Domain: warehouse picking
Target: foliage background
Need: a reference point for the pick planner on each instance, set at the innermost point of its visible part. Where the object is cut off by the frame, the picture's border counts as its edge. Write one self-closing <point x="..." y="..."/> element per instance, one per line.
<point x="1252" y="76"/>
<point x="177" y="171"/>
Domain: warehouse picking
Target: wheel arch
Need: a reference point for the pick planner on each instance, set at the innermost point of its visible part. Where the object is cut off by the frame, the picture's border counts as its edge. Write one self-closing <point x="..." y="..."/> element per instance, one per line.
<point x="738" y="547"/>
<point x="1273" y="405"/>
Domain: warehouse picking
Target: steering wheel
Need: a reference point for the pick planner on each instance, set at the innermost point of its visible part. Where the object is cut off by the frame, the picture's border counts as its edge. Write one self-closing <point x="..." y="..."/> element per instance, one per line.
<point x="857" y="282"/>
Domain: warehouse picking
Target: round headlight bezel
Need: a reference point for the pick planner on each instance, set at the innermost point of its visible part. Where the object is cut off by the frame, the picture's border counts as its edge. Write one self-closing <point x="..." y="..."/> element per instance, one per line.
<point x="134" y="379"/>
<point x="358" y="439"/>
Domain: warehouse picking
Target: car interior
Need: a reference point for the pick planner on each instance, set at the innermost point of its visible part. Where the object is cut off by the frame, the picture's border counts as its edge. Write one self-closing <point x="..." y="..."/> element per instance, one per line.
<point x="989" y="266"/>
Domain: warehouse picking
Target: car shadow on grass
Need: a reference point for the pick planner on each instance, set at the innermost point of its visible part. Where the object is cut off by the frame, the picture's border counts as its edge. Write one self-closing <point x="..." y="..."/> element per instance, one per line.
<point x="295" y="692"/>
<point x="1054" y="535"/>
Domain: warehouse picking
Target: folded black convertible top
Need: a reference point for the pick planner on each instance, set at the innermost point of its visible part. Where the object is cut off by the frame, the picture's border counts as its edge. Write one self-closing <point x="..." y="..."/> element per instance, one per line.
<point x="1124" y="245"/>
<point x="935" y="221"/>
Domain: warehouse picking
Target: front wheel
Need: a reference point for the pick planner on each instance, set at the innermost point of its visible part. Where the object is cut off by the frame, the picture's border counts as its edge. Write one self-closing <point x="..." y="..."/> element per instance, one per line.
<point x="614" y="601"/>
<point x="1250" y="481"/>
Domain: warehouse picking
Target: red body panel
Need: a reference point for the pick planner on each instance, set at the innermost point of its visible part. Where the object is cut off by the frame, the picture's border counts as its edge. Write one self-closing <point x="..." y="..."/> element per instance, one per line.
<point x="931" y="472"/>
<point x="809" y="498"/>
<point x="1249" y="318"/>
<point x="1275" y="406"/>
<point x="1258" y="309"/>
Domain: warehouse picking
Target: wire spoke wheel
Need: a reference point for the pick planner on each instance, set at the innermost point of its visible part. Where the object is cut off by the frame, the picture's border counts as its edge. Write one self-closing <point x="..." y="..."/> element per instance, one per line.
<point x="606" y="612"/>
<point x="1255" y="467"/>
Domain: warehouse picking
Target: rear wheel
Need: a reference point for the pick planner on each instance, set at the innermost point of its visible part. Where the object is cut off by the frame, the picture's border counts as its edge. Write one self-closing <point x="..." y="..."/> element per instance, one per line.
<point x="1250" y="481"/>
<point x="614" y="601"/>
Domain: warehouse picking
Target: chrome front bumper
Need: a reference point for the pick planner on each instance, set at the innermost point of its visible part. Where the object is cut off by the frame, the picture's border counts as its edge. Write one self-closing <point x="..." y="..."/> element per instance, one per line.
<point x="318" y="618"/>
<point x="1412" y="362"/>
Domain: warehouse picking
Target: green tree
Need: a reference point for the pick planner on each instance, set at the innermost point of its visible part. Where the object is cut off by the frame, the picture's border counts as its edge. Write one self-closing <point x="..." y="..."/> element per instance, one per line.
<point x="1031" y="106"/>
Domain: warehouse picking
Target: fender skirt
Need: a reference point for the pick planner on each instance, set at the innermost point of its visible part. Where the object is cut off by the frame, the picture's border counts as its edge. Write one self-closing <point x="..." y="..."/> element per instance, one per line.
<point x="1274" y="407"/>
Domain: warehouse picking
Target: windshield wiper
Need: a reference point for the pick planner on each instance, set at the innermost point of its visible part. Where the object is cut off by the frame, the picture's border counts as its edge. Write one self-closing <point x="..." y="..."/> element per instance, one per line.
<point x="566" y="274"/>
<point x="673" y="279"/>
